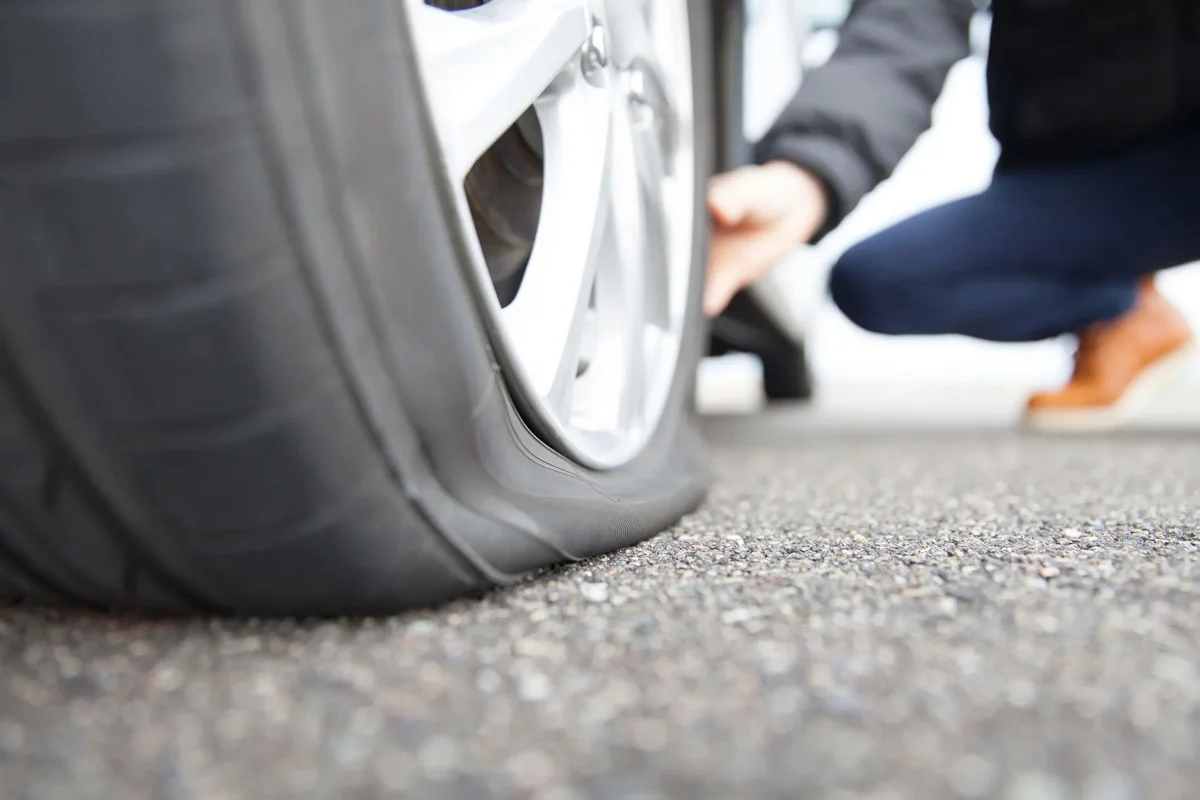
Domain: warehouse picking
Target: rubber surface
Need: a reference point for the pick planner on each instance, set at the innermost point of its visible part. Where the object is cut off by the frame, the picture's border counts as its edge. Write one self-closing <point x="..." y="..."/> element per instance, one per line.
<point x="242" y="367"/>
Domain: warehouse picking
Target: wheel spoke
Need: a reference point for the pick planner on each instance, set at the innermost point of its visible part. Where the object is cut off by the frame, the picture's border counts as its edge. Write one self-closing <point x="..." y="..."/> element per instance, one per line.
<point x="650" y="165"/>
<point x="640" y="44"/>
<point x="597" y="401"/>
<point x="632" y="305"/>
<point x="546" y="319"/>
<point x="487" y="65"/>
<point x="633" y="218"/>
<point x="670" y="48"/>
<point x="629" y="21"/>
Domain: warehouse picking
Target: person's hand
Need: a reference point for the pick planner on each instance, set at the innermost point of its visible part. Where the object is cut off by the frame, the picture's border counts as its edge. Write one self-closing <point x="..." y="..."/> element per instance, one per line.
<point x="759" y="214"/>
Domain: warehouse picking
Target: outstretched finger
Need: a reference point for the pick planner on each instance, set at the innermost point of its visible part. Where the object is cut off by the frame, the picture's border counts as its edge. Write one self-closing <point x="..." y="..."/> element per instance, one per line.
<point x="718" y="291"/>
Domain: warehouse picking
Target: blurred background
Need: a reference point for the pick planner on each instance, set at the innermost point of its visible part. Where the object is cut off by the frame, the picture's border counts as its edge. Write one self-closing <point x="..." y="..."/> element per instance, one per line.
<point x="953" y="159"/>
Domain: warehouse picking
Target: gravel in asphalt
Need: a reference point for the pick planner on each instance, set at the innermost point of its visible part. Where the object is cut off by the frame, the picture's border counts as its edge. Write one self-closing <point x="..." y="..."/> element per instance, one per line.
<point x="883" y="615"/>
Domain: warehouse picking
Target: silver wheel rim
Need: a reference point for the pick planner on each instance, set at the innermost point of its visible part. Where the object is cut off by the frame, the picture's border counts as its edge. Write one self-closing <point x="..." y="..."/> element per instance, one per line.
<point x="592" y="337"/>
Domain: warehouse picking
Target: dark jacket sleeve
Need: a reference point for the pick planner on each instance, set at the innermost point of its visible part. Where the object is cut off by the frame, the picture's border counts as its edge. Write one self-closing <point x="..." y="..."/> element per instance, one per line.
<point x="855" y="117"/>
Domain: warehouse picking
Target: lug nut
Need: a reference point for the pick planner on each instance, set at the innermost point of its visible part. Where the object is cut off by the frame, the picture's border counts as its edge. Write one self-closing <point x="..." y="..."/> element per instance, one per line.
<point x="595" y="56"/>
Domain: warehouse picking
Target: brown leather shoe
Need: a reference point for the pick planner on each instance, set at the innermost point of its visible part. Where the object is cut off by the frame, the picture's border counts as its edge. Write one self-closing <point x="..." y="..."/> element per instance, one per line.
<point x="1118" y="365"/>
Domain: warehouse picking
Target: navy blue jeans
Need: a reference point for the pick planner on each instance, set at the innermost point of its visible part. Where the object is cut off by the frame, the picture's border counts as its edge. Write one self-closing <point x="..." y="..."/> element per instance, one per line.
<point x="1040" y="253"/>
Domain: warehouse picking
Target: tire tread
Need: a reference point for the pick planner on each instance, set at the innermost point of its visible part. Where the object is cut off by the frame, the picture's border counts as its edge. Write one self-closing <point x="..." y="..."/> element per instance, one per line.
<point x="164" y="293"/>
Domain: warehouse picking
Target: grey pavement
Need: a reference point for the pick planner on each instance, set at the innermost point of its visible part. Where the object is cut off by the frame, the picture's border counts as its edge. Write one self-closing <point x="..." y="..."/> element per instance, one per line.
<point x="910" y="612"/>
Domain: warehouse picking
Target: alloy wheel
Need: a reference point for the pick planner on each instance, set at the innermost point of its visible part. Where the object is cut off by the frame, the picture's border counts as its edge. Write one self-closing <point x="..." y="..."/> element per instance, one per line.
<point x="566" y="133"/>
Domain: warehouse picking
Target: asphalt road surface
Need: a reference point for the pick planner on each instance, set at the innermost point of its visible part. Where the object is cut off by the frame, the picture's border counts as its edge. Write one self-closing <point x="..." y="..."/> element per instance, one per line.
<point x="937" y="612"/>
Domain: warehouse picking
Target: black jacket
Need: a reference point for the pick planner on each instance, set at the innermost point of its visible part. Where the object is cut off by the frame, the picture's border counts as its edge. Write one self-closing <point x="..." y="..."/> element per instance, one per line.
<point x="856" y="116"/>
<point x="1072" y="79"/>
<point x="1067" y="79"/>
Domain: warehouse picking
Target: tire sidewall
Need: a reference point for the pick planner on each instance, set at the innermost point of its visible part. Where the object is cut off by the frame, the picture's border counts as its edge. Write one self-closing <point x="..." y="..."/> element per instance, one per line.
<point x="435" y="372"/>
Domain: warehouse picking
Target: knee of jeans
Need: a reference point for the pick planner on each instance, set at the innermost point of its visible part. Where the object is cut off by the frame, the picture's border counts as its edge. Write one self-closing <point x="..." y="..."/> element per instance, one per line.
<point x="861" y="288"/>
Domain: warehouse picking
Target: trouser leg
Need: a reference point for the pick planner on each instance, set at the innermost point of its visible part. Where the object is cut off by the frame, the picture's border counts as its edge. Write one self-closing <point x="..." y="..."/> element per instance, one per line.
<point x="1037" y="254"/>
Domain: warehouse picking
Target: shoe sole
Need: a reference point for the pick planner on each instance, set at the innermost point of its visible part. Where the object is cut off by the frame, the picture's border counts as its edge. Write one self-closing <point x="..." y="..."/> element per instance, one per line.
<point x="1153" y="380"/>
